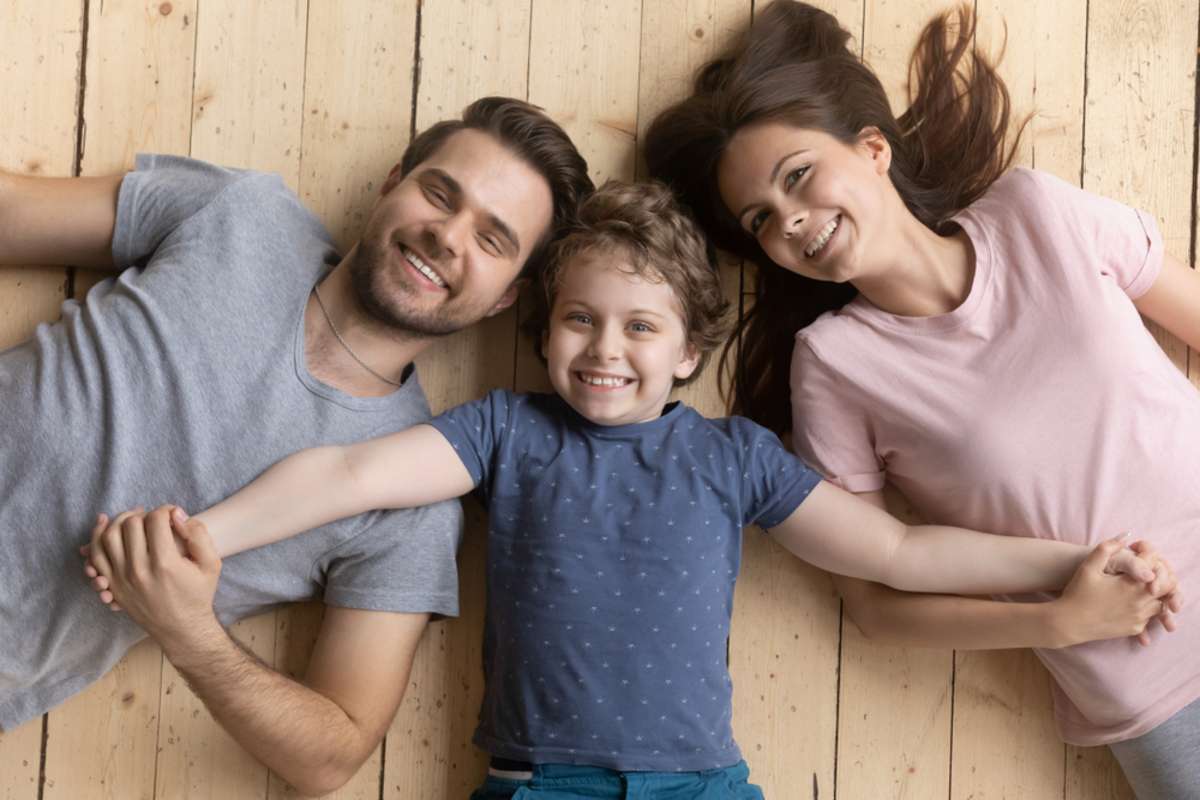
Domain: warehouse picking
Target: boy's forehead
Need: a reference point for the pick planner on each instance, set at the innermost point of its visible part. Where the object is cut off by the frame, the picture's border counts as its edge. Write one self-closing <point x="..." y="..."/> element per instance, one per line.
<point x="608" y="276"/>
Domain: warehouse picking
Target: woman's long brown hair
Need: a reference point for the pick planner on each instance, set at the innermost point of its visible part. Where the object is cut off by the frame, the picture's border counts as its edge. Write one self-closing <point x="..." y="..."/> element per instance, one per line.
<point x="794" y="66"/>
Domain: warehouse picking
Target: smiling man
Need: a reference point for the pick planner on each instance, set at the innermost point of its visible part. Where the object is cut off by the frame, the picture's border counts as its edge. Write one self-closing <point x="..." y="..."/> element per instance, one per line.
<point x="235" y="335"/>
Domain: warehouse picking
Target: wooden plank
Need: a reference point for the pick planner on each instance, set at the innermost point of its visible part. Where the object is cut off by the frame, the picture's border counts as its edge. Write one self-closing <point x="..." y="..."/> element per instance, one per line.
<point x="40" y="46"/>
<point x="245" y="110"/>
<point x="139" y="88"/>
<point x="468" y="50"/>
<point x="1140" y="128"/>
<point x="584" y="72"/>
<point x="357" y="108"/>
<point x="1005" y="740"/>
<point x="893" y="716"/>
<point x="248" y="95"/>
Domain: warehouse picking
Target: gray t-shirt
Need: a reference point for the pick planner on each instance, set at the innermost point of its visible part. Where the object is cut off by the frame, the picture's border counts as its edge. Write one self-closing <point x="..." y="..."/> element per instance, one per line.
<point x="180" y="380"/>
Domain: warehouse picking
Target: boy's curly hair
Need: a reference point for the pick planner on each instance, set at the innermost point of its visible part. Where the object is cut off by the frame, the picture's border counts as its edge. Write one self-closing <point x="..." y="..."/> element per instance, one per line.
<point x="643" y="223"/>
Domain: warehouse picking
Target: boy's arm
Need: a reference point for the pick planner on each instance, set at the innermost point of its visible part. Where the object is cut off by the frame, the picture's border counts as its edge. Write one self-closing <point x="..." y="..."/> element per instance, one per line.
<point x="414" y="467"/>
<point x="66" y="221"/>
<point x="841" y="533"/>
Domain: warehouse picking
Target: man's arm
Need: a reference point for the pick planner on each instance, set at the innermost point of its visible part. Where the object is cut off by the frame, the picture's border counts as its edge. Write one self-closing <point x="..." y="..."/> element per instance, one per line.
<point x="315" y="735"/>
<point x="67" y="221"/>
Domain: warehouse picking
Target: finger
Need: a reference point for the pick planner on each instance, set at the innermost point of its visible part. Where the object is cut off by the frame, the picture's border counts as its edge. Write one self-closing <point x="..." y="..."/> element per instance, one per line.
<point x="101" y="583"/>
<point x="109" y="547"/>
<point x="1143" y="639"/>
<point x="106" y="598"/>
<point x="133" y="536"/>
<point x="160" y="540"/>
<point x="1161" y="578"/>
<point x="1102" y="553"/>
<point x="89" y="570"/>
<point x="1167" y="620"/>
<point x="115" y="606"/>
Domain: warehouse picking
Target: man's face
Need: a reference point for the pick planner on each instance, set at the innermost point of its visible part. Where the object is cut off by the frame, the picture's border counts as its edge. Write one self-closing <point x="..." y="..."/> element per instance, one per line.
<point x="444" y="245"/>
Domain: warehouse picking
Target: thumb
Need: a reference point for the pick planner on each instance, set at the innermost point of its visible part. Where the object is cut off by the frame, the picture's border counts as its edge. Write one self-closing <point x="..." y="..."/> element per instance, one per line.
<point x="1102" y="553"/>
<point x="197" y="541"/>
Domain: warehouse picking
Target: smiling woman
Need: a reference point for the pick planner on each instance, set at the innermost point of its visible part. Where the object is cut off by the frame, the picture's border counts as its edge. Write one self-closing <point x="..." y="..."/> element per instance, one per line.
<point x="326" y="95"/>
<point x="945" y="364"/>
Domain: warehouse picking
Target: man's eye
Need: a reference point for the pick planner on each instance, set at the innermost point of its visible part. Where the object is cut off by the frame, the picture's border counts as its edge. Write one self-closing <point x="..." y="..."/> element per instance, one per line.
<point x="437" y="197"/>
<point x="492" y="245"/>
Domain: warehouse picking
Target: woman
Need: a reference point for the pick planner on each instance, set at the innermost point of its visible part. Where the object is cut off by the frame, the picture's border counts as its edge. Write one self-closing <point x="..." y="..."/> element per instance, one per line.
<point x="968" y="334"/>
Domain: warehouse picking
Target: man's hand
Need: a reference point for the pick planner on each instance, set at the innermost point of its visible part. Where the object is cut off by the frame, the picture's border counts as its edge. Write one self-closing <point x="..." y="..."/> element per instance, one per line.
<point x="165" y="587"/>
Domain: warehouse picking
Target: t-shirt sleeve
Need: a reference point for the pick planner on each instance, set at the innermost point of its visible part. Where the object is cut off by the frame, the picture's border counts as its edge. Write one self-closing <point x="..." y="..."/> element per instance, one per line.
<point x="827" y="431"/>
<point x="158" y="196"/>
<point x="402" y="561"/>
<point x="476" y="430"/>
<point x="774" y="482"/>
<point x="1124" y="243"/>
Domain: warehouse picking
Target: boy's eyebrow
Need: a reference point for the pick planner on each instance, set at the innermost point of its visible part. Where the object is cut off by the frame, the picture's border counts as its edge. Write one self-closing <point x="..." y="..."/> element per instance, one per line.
<point x="774" y="174"/>
<point x="455" y="189"/>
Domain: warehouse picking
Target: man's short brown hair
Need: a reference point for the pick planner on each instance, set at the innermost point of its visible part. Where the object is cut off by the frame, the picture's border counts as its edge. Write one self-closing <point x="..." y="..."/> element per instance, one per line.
<point x="534" y="138"/>
<point x="643" y="223"/>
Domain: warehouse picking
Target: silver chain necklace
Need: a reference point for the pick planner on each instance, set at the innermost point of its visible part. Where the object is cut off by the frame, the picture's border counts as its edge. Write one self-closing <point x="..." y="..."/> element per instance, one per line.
<point x="338" y="336"/>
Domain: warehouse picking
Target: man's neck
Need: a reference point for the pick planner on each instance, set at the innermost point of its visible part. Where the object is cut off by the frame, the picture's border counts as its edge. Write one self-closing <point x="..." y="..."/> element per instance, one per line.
<point x="341" y="336"/>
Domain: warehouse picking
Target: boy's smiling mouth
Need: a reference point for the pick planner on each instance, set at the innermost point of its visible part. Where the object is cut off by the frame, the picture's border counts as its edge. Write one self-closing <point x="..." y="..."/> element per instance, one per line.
<point x="602" y="381"/>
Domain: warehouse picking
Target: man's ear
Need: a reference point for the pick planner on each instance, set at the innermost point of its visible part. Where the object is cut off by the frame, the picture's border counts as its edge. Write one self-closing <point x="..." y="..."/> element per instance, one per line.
<point x="509" y="297"/>
<point x="877" y="148"/>
<point x="688" y="362"/>
<point x="393" y="178"/>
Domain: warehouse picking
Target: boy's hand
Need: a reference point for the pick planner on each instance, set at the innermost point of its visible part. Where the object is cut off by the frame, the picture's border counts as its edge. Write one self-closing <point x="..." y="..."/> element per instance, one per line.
<point x="164" y="584"/>
<point x="1098" y="604"/>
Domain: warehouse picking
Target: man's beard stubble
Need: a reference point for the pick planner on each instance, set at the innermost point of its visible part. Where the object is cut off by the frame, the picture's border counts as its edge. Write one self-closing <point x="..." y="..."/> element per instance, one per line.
<point x="388" y="305"/>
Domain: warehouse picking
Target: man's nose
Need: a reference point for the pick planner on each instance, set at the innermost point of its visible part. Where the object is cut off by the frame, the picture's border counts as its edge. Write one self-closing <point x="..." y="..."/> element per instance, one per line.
<point x="451" y="233"/>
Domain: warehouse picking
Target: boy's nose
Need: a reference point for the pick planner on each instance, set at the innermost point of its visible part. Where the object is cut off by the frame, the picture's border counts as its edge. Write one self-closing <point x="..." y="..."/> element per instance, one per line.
<point x="605" y="345"/>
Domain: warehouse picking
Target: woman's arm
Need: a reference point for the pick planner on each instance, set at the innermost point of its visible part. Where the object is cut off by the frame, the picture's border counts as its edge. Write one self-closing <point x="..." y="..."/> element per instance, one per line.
<point x="414" y="467"/>
<point x="841" y="533"/>
<point x="1173" y="301"/>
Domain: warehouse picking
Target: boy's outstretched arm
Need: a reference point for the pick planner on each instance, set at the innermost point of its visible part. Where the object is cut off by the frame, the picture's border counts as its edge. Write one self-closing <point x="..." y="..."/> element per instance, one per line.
<point x="841" y="533"/>
<point x="414" y="467"/>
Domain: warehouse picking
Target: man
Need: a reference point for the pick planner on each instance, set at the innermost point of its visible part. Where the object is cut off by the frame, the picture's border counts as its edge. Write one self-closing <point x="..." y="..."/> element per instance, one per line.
<point x="242" y="337"/>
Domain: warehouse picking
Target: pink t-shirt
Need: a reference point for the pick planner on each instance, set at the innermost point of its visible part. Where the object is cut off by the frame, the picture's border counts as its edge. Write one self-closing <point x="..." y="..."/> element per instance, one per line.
<point x="1039" y="407"/>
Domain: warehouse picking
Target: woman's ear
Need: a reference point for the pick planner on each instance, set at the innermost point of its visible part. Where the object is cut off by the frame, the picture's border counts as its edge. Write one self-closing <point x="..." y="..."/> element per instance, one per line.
<point x="876" y="147"/>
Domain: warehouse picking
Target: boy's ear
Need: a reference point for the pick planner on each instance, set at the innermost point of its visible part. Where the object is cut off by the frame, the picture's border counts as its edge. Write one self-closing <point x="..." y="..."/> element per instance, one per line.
<point x="688" y="362"/>
<point x="509" y="297"/>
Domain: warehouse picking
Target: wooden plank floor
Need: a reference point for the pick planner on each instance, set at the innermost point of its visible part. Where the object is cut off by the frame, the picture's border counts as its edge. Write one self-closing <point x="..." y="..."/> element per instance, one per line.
<point x="327" y="93"/>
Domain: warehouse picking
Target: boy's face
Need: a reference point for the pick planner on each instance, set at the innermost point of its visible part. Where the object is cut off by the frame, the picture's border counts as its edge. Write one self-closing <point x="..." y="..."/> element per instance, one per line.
<point x="445" y="244"/>
<point x="616" y="342"/>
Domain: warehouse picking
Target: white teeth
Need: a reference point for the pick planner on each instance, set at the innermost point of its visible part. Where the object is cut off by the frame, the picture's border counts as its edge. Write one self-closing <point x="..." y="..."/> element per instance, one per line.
<point x="596" y="380"/>
<point x="822" y="237"/>
<point x="422" y="267"/>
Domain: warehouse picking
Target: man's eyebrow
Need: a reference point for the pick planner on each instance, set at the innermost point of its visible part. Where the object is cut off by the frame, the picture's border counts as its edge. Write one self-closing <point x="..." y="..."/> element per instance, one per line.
<point x="774" y="174"/>
<point x="455" y="188"/>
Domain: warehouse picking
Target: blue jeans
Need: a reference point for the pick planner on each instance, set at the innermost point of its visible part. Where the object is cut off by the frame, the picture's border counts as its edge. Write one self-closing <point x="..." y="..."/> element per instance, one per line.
<point x="571" y="782"/>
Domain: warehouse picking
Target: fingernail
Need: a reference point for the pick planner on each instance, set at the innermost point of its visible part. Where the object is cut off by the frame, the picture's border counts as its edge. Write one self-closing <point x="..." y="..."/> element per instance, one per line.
<point x="180" y="515"/>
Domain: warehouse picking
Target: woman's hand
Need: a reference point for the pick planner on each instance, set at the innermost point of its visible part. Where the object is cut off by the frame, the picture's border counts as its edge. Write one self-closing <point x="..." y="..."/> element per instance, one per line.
<point x="1098" y="604"/>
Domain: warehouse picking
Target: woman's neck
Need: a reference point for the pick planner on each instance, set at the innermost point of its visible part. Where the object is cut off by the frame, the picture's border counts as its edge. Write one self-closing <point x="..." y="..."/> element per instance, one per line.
<point x="922" y="274"/>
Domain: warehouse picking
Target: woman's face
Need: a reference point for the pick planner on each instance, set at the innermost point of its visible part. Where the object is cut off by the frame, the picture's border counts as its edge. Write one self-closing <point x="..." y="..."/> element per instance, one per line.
<point x="815" y="204"/>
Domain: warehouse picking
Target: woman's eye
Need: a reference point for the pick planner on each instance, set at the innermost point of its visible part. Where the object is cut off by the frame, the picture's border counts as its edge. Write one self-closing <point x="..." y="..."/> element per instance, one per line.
<point x="790" y="179"/>
<point x="640" y="327"/>
<point x="757" y="221"/>
<point x="582" y="319"/>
